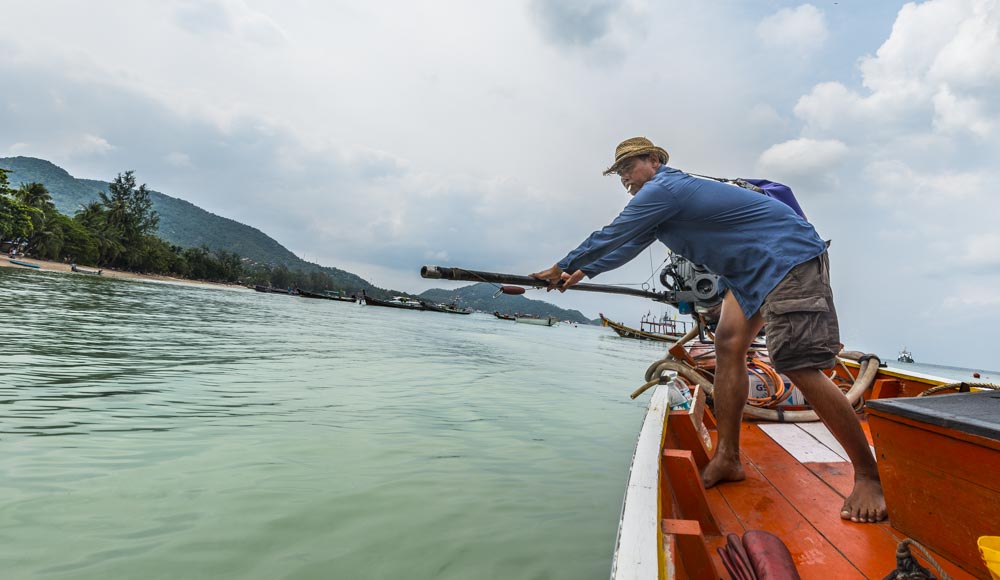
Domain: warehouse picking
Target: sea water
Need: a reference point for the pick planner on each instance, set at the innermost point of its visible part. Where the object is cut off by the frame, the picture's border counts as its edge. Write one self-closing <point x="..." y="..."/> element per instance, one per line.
<point x="151" y="431"/>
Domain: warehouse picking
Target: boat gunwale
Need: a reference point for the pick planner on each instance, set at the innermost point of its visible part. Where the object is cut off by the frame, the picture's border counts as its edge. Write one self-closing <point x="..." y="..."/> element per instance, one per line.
<point x="915" y="376"/>
<point x="641" y="503"/>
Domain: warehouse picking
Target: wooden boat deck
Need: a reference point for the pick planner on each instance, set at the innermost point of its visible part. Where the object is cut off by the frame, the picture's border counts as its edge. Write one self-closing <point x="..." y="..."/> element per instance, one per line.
<point x="800" y="503"/>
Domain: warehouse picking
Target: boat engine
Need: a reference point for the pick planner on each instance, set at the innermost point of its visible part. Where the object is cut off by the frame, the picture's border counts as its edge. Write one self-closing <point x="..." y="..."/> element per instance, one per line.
<point x="686" y="280"/>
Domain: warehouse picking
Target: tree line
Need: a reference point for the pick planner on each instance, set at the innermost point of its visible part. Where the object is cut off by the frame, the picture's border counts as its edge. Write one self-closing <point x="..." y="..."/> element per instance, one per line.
<point x="118" y="230"/>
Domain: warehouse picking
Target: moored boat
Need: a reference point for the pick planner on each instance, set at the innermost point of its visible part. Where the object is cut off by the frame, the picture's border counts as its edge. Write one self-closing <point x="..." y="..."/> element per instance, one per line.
<point x="401" y="302"/>
<point x="325" y="296"/>
<point x="340" y="298"/>
<point x="308" y="294"/>
<point x="661" y="331"/>
<point x="78" y="270"/>
<point x="503" y="316"/>
<point x="273" y="290"/>
<point x="904" y="356"/>
<point x="448" y="308"/>
<point x="25" y="264"/>
<point x="537" y="320"/>
<point x="798" y="477"/>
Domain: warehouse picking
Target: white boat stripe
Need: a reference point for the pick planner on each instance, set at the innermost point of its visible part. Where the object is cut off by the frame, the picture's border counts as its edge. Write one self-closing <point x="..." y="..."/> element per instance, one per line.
<point x="636" y="549"/>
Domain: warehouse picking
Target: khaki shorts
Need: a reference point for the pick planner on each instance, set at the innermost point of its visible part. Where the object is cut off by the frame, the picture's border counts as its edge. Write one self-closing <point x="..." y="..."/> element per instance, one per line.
<point x="800" y="320"/>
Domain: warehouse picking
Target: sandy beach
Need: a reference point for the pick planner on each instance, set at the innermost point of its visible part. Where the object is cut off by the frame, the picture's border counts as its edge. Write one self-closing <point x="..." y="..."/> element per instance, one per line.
<point x="47" y="266"/>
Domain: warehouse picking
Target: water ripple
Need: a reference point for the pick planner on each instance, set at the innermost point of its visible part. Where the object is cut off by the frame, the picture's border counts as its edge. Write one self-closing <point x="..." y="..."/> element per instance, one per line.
<point x="172" y="431"/>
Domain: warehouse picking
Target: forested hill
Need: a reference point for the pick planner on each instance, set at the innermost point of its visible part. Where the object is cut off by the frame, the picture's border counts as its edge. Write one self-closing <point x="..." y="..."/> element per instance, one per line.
<point x="480" y="297"/>
<point x="181" y="222"/>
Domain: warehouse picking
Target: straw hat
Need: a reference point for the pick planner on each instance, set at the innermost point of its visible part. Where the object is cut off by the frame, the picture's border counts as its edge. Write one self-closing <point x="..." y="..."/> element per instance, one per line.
<point x="633" y="147"/>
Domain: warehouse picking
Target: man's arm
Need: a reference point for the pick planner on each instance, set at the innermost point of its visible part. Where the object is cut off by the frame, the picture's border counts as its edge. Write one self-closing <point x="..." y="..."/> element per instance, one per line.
<point x="615" y="259"/>
<point x="635" y="227"/>
<point x="619" y="257"/>
<point x="636" y="224"/>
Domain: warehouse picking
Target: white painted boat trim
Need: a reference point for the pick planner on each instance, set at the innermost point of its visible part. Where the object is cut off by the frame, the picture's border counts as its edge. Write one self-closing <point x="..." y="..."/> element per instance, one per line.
<point x="903" y="373"/>
<point x="636" y="549"/>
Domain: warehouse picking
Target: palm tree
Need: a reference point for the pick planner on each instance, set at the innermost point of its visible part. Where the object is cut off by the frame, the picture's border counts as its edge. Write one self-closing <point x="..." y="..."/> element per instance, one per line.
<point x="94" y="217"/>
<point x="36" y="195"/>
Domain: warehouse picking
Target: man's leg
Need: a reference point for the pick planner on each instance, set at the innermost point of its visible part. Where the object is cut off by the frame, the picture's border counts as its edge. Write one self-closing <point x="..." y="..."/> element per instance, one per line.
<point x="866" y="503"/>
<point x="732" y="340"/>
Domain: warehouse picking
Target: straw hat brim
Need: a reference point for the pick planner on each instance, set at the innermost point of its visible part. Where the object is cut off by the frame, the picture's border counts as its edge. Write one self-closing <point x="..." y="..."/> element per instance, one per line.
<point x="641" y="150"/>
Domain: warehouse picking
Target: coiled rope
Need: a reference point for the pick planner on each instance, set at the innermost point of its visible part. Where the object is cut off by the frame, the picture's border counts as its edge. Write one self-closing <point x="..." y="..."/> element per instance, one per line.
<point x="866" y="376"/>
<point x="959" y="386"/>
<point x="907" y="567"/>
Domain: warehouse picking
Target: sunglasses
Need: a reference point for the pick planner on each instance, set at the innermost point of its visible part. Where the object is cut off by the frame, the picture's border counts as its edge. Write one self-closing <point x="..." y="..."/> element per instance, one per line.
<point x="627" y="168"/>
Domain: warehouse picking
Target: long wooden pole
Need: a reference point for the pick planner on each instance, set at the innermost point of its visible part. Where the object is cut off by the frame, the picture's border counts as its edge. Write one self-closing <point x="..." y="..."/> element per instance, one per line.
<point x="442" y="273"/>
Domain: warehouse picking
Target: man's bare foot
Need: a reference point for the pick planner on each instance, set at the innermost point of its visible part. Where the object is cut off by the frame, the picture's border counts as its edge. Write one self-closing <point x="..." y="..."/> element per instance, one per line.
<point x="721" y="469"/>
<point x="866" y="503"/>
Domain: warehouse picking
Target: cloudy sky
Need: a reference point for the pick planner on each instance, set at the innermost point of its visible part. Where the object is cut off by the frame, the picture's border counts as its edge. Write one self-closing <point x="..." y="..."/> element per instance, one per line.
<point x="377" y="137"/>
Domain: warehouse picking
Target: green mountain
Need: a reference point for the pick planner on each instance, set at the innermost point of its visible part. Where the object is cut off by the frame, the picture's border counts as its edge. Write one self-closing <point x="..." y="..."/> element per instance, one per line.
<point x="181" y="222"/>
<point x="187" y="225"/>
<point x="480" y="297"/>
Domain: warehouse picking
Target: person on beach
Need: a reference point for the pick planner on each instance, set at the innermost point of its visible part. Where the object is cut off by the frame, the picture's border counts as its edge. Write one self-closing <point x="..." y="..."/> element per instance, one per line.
<point x="775" y="272"/>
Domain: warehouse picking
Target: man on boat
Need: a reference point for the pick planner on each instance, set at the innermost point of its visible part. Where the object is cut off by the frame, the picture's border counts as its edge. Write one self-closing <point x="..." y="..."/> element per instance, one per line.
<point x="775" y="270"/>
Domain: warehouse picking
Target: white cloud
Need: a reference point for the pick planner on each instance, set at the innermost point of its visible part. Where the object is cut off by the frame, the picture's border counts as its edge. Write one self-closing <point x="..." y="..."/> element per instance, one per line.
<point x="89" y="145"/>
<point x="953" y="113"/>
<point x="982" y="251"/>
<point x="978" y="299"/>
<point x="766" y="116"/>
<point x="804" y="159"/>
<point x="235" y="17"/>
<point x="801" y="29"/>
<point x="895" y="182"/>
<point x="940" y="60"/>
<point x="19" y="148"/>
<point x="968" y="60"/>
<point x="178" y="159"/>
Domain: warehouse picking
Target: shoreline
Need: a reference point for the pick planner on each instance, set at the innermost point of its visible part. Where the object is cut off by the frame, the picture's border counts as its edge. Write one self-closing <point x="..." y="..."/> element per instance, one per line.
<point x="63" y="268"/>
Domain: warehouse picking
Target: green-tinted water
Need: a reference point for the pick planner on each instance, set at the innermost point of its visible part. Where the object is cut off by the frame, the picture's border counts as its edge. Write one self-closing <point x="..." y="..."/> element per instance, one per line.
<point x="164" y="431"/>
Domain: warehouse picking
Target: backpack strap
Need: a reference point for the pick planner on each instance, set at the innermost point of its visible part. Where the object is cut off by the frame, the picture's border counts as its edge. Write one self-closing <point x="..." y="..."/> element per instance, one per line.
<point x="739" y="182"/>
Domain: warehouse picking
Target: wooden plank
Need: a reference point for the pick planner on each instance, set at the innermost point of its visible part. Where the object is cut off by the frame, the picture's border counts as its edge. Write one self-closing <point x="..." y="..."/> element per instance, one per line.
<point x="839" y="476"/>
<point x="868" y="432"/>
<point x="819" y="431"/>
<point x="687" y="490"/>
<point x="760" y="505"/>
<point x="886" y="388"/>
<point x="941" y="491"/>
<point x="800" y="444"/>
<point x="684" y="434"/>
<point x="727" y="520"/>
<point x="866" y="546"/>
<point x="696" y="563"/>
<point x="959" y="457"/>
<point x="978" y="440"/>
<point x="723" y="512"/>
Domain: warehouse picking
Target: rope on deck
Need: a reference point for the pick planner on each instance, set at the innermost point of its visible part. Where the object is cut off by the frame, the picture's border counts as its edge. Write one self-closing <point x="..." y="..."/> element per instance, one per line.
<point x="962" y="387"/>
<point x="907" y="567"/>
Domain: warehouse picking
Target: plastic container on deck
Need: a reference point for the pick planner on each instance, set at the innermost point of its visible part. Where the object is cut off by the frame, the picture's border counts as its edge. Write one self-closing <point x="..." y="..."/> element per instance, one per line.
<point x="678" y="398"/>
<point x="989" y="548"/>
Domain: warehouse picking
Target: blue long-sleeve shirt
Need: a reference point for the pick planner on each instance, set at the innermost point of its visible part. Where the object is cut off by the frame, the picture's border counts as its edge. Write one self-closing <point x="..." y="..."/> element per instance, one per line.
<point x="749" y="239"/>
